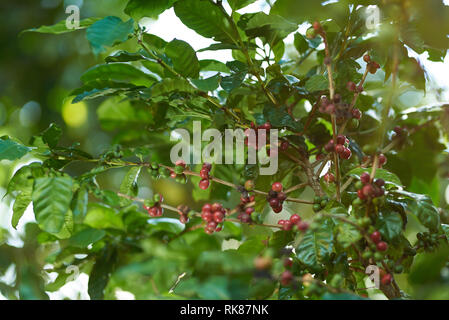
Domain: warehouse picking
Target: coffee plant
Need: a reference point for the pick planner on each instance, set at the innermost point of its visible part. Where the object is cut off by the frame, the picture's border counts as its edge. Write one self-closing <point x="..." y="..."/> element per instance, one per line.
<point x="362" y="157"/>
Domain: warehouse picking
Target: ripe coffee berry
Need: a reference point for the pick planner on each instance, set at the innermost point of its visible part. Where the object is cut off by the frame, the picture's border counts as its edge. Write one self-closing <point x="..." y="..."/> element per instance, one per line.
<point x="368" y="190"/>
<point x="287" y="225"/>
<point x="284" y="145"/>
<point x="386" y="279"/>
<point x="218" y="216"/>
<point x="329" y="178"/>
<point x="339" y="148"/>
<point x="380" y="182"/>
<point x="366" y="58"/>
<point x="295" y="219"/>
<point x="204" y="184"/>
<point x="351" y="86"/>
<point x="365" y="178"/>
<point x="356" y="114"/>
<point x="382" y="246"/>
<point x="286" y="278"/>
<point x="282" y="196"/>
<point x="288" y="262"/>
<point x="341" y="139"/>
<point x="204" y="173"/>
<point x="382" y="159"/>
<point x="274" y="202"/>
<point x="346" y="154"/>
<point x="329" y="147"/>
<point x="317" y="26"/>
<point x="302" y="225"/>
<point x="376" y="237"/>
<point x="277" y="187"/>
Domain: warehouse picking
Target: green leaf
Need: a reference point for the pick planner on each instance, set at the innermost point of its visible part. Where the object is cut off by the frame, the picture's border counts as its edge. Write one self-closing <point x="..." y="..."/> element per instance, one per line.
<point x="85" y="237"/>
<point x="104" y="265"/>
<point x="422" y="207"/>
<point x="103" y="217"/>
<point x="183" y="58"/>
<point x="11" y="150"/>
<point x="208" y="84"/>
<point x="316" y="245"/>
<point x="347" y="234"/>
<point x="238" y="74"/>
<point x="138" y="9"/>
<point x="170" y="85"/>
<point x="206" y="19"/>
<point x="79" y="204"/>
<point x="108" y="32"/>
<point x="61" y="27"/>
<point x="120" y="72"/>
<point x="166" y="224"/>
<point x="388" y="177"/>
<point x="67" y="228"/>
<point x="317" y="83"/>
<point x="129" y="185"/>
<point x="116" y="113"/>
<point x="52" y="135"/>
<point x="445" y="228"/>
<point x="300" y="43"/>
<point x="22" y="202"/>
<point x="125" y="56"/>
<point x="238" y="4"/>
<point x="390" y="225"/>
<point x="51" y="200"/>
<point x="213" y="65"/>
<point x="279" y="118"/>
<point x="100" y="88"/>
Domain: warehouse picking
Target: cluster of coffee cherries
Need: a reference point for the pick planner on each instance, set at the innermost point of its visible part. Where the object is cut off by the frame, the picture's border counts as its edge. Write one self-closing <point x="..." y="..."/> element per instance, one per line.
<point x="295" y="220"/>
<point x="367" y="190"/>
<point x="205" y="176"/>
<point x="213" y="215"/>
<point x="427" y="241"/>
<point x="255" y="144"/>
<point x="276" y="197"/>
<point x="376" y="237"/>
<point x="372" y="66"/>
<point x="157" y="171"/>
<point x="351" y="86"/>
<point x="340" y="146"/>
<point x="246" y="212"/>
<point x="339" y="108"/>
<point x="185" y="213"/>
<point x="320" y="203"/>
<point x="287" y="275"/>
<point x="178" y="172"/>
<point x="153" y="206"/>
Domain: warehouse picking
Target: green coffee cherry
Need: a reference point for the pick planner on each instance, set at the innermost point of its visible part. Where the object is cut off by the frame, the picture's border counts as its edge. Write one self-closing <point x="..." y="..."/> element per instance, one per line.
<point x="358" y="185"/>
<point x="154" y="166"/>
<point x="178" y="169"/>
<point x="357" y="202"/>
<point x="378" y="256"/>
<point x="317" y="200"/>
<point x="398" y="269"/>
<point x="316" y="207"/>
<point x="148" y="203"/>
<point x="157" y="197"/>
<point x="367" y="255"/>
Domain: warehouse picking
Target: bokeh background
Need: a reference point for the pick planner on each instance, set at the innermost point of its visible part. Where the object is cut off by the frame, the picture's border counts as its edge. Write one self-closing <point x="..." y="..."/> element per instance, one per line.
<point x="38" y="71"/>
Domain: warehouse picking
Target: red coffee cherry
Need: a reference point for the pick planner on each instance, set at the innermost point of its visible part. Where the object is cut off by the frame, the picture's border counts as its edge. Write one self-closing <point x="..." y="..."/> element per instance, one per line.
<point x="207" y="216"/>
<point x="368" y="190"/>
<point x="317" y="26"/>
<point x="351" y="86"/>
<point x="386" y="279"/>
<point x="204" y="184"/>
<point x="277" y="209"/>
<point x="341" y="139"/>
<point x="360" y="194"/>
<point x="204" y="173"/>
<point x="274" y="202"/>
<point x="376" y="237"/>
<point x="287" y="226"/>
<point x="281" y="222"/>
<point x="207" y="207"/>
<point x="365" y="178"/>
<point x="277" y="187"/>
<point x="346" y="154"/>
<point x="302" y="225"/>
<point x="295" y="219"/>
<point x="356" y="114"/>
<point x="288" y="262"/>
<point x="218" y="216"/>
<point x="285" y="145"/>
<point x="382" y="246"/>
<point x="367" y="58"/>
<point x="329" y="147"/>
<point x="207" y="166"/>
<point x="216" y="207"/>
<point x="382" y="159"/>
<point x="282" y="196"/>
<point x="329" y="178"/>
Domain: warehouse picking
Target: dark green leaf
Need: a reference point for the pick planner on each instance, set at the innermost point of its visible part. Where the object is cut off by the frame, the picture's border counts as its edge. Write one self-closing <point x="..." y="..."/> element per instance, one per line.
<point x="138" y="9"/>
<point x="108" y="32"/>
<point x="183" y="58"/>
<point x="11" y="150"/>
<point x="61" y="27"/>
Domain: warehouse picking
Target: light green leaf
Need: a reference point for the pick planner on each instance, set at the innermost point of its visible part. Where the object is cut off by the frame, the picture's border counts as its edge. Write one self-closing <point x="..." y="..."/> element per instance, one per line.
<point x="213" y="65"/>
<point x="238" y="4"/>
<point x="183" y="58"/>
<point x="11" y="150"/>
<point x="51" y="200"/>
<point x="129" y="185"/>
<point x="99" y="88"/>
<point x="85" y="237"/>
<point x="21" y="203"/>
<point x="317" y="83"/>
<point x="208" y="84"/>
<point x="170" y="85"/>
<point x="61" y="27"/>
<point x="138" y="9"/>
<point x="102" y="217"/>
<point x="108" y="32"/>
<point x="166" y="224"/>
<point x="206" y="19"/>
<point x="120" y="72"/>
